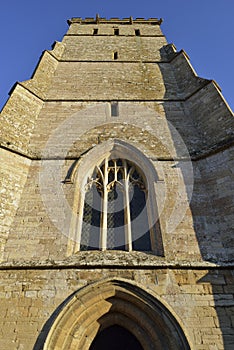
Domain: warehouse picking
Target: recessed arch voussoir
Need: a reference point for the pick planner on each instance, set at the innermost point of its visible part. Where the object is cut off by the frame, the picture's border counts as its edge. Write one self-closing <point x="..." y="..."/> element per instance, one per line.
<point x="115" y="302"/>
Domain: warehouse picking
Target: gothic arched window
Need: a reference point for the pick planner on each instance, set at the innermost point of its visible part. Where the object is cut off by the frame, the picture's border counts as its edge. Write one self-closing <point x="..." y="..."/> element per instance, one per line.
<point x="114" y="210"/>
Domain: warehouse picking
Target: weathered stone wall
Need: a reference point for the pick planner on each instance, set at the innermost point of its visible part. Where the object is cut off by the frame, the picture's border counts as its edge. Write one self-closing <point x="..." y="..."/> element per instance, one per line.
<point x="36" y="230"/>
<point x="201" y="299"/>
<point x="197" y="234"/>
<point x="217" y="179"/>
<point x="100" y="48"/>
<point x="44" y="71"/>
<point x="86" y="120"/>
<point x="212" y="117"/>
<point x="13" y="175"/>
<point x="203" y="230"/>
<point x="107" y="81"/>
<point x="33" y="233"/>
<point x="187" y="80"/>
<point x="80" y="132"/>
<point x="18" y="118"/>
<point x="107" y="29"/>
<point x="19" y="115"/>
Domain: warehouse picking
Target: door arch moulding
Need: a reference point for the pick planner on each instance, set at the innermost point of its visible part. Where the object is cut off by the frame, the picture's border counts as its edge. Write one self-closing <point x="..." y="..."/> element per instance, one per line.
<point x="115" y="302"/>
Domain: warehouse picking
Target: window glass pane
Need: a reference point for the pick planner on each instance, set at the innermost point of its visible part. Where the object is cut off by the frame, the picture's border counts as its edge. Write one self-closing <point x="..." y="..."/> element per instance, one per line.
<point x="90" y="233"/>
<point x="139" y="221"/>
<point x="115" y="220"/>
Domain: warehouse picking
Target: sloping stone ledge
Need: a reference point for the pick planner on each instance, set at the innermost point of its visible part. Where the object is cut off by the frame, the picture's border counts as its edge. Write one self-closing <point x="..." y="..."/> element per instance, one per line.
<point x="115" y="259"/>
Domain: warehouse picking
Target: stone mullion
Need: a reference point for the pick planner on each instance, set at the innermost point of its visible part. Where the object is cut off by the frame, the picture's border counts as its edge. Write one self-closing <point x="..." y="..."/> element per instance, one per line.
<point x="111" y="232"/>
<point x="103" y="236"/>
<point x="127" y="216"/>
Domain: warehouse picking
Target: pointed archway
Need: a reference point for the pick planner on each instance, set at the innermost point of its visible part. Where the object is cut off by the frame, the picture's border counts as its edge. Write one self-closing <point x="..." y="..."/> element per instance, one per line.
<point x="117" y="307"/>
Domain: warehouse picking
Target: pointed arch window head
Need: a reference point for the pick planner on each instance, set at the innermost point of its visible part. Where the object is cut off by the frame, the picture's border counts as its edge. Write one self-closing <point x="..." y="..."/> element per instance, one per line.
<point x="115" y="214"/>
<point x="115" y="201"/>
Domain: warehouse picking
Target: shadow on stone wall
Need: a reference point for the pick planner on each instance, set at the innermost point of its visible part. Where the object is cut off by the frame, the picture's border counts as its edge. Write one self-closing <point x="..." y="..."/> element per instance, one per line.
<point x="212" y="215"/>
<point x="222" y="282"/>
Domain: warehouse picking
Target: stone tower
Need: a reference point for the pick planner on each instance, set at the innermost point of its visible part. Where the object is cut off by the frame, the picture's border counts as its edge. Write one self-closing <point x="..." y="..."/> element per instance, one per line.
<point x="116" y="197"/>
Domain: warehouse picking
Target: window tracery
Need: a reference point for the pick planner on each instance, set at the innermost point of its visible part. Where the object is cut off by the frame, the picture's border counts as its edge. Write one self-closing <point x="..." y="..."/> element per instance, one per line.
<point x="115" y="212"/>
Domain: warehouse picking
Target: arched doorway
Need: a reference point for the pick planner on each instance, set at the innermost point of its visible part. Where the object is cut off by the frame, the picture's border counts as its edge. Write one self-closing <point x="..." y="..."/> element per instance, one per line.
<point x="114" y="309"/>
<point x="115" y="337"/>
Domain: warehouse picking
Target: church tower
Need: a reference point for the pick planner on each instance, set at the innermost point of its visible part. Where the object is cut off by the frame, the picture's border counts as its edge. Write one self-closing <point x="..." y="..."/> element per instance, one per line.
<point x="117" y="197"/>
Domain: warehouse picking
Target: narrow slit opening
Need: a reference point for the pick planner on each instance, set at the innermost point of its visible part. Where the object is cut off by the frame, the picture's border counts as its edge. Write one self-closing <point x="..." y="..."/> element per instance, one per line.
<point x="116" y="31"/>
<point x="137" y="32"/>
<point x="115" y="55"/>
<point x="95" y="31"/>
<point x="114" y="109"/>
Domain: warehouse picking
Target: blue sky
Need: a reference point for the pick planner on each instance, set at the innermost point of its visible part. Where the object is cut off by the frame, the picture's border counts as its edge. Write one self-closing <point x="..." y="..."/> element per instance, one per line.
<point x="203" y="28"/>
